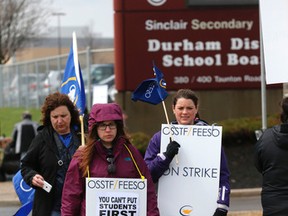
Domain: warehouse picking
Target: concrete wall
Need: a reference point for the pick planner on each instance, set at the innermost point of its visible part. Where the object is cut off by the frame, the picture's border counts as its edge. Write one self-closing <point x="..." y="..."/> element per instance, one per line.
<point x="214" y="106"/>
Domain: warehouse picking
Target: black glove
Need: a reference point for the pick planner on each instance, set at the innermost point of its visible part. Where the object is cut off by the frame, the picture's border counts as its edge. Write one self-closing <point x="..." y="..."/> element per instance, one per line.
<point x="172" y="149"/>
<point x="220" y="212"/>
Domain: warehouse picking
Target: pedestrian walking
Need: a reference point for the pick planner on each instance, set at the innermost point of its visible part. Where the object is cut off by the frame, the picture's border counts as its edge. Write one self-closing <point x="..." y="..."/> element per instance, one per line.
<point x="45" y="165"/>
<point x="107" y="154"/>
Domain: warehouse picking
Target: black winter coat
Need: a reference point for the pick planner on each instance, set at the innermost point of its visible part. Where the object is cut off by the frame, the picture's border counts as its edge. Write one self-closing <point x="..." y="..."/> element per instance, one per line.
<point x="42" y="158"/>
<point x="271" y="160"/>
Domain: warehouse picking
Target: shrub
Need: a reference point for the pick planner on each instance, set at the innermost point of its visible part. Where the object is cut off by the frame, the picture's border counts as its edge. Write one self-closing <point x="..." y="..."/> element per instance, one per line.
<point x="235" y="132"/>
<point x="242" y="130"/>
<point x="140" y="140"/>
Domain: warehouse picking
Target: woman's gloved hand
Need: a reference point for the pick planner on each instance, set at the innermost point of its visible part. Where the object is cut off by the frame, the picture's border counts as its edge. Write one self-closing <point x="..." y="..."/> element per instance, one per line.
<point x="172" y="149"/>
<point x="220" y="212"/>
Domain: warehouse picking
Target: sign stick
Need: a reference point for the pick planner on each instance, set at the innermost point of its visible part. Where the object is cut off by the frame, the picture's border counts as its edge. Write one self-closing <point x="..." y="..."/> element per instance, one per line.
<point x="168" y="122"/>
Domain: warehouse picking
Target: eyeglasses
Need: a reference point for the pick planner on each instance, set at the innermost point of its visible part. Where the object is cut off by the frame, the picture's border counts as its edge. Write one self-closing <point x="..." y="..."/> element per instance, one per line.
<point x="103" y="126"/>
<point x="111" y="166"/>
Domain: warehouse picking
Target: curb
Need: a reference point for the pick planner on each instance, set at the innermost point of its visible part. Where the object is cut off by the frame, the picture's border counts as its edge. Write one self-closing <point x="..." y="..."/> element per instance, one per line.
<point x="245" y="213"/>
<point x="10" y="202"/>
<point x="8" y="196"/>
<point x="246" y="192"/>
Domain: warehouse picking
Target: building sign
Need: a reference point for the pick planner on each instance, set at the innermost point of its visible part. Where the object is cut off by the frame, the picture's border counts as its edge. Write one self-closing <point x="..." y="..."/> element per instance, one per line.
<point x="195" y="47"/>
<point x="274" y="35"/>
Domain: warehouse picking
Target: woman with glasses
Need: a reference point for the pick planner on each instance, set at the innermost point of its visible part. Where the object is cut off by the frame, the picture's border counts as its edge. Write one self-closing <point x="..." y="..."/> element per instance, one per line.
<point x="107" y="154"/>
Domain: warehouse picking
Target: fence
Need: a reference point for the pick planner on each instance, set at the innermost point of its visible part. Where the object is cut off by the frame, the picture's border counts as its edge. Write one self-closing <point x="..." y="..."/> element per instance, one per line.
<point x="26" y="84"/>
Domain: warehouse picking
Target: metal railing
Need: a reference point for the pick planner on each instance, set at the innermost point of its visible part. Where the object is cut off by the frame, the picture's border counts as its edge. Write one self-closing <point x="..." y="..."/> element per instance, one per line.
<point x="24" y="84"/>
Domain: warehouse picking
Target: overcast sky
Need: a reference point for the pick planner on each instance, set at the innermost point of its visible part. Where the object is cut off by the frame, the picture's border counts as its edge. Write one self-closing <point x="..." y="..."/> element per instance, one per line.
<point x="95" y="13"/>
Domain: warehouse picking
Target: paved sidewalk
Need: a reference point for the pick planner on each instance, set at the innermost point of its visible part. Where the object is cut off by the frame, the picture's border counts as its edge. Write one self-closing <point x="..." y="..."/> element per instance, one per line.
<point x="8" y="197"/>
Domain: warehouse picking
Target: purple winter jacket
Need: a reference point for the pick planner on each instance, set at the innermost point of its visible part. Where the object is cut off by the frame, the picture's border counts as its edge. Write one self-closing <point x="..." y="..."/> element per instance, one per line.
<point x="73" y="196"/>
<point x="158" y="165"/>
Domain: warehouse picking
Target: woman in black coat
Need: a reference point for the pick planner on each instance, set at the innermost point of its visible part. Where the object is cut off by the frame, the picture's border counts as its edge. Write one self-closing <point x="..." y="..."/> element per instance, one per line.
<point x="50" y="153"/>
<point x="271" y="160"/>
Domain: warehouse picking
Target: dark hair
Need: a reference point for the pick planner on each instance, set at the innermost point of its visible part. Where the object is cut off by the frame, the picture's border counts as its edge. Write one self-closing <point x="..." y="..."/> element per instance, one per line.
<point x="26" y="115"/>
<point x="284" y="114"/>
<point x="55" y="100"/>
<point x="187" y="94"/>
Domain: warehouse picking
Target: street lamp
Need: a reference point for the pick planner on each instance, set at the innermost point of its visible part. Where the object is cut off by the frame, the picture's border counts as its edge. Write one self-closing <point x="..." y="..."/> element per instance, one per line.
<point x="59" y="14"/>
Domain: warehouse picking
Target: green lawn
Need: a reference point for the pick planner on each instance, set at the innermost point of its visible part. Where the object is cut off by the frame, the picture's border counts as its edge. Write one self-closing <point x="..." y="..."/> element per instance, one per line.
<point x="9" y="116"/>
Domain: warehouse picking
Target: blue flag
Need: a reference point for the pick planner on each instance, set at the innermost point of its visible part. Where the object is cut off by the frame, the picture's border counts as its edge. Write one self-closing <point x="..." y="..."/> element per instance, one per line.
<point x="72" y="83"/>
<point x="153" y="90"/>
<point x="25" y="209"/>
<point x="25" y="194"/>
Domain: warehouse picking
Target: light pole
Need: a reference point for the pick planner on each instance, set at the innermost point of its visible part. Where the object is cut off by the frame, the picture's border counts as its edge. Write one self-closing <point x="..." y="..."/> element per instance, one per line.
<point x="59" y="14"/>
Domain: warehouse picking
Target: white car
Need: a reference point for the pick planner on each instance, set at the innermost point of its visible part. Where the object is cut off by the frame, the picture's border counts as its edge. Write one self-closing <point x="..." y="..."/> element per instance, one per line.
<point x="26" y="88"/>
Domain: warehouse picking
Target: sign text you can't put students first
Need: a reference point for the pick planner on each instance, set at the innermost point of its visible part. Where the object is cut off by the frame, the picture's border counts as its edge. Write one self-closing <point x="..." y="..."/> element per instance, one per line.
<point x="116" y="196"/>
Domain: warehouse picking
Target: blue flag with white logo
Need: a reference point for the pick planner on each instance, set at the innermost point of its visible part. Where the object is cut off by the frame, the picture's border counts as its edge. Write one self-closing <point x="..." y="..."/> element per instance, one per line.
<point x="153" y="90"/>
<point x="72" y="83"/>
<point x="25" y="194"/>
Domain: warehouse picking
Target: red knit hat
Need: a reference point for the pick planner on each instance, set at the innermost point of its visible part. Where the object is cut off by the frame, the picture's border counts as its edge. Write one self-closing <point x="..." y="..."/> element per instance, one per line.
<point x="104" y="112"/>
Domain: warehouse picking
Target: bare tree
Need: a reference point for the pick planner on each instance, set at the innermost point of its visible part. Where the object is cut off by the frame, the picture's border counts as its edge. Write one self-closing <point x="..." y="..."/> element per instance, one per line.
<point x="20" y="21"/>
<point x="89" y="36"/>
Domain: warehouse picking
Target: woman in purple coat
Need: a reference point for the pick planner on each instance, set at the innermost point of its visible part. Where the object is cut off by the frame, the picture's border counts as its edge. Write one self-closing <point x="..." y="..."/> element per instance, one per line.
<point x="185" y="109"/>
<point x="108" y="154"/>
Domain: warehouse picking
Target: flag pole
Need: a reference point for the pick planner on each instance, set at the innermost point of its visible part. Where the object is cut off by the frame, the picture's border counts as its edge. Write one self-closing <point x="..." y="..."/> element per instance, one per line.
<point x="82" y="130"/>
<point x="165" y="111"/>
<point x="76" y="63"/>
<point x="168" y="122"/>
